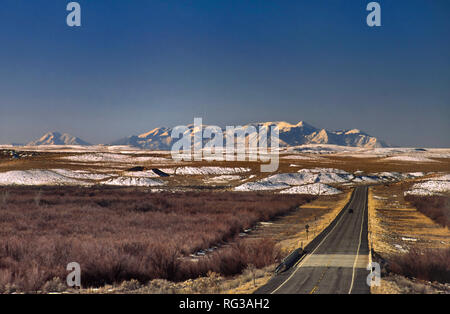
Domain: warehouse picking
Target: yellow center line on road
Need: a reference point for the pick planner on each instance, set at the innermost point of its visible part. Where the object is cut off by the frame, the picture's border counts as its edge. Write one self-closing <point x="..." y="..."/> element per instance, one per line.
<point x="359" y="245"/>
<point x="321" y="277"/>
<point x="317" y="247"/>
<point x="330" y="257"/>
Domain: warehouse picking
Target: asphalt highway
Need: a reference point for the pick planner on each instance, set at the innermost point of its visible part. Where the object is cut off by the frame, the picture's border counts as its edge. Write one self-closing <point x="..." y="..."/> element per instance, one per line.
<point x="336" y="260"/>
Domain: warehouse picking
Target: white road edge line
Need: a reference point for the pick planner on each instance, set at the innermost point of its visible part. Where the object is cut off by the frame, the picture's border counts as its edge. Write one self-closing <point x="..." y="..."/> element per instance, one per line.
<point x="359" y="245"/>
<point x="309" y="255"/>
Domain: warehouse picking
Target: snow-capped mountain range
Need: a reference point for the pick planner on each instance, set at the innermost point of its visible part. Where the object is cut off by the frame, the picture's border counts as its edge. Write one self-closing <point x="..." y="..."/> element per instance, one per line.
<point x="56" y="138"/>
<point x="290" y="135"/>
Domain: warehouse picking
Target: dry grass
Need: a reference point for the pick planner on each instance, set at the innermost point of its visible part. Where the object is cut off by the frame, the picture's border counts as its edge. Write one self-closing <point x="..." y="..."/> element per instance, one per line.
<point x="321" y="213"/>
<point x="397" y="284"/>
<point x="211" y="283"/>
<point x="393" y="221"/>
<point x="392" y="218"/>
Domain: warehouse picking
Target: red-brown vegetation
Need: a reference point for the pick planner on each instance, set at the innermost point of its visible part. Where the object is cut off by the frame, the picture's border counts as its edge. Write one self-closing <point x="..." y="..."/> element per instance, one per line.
<point x="121" y="234"/>
<point x="435" y="207"/>
<point x="430" y="264"/>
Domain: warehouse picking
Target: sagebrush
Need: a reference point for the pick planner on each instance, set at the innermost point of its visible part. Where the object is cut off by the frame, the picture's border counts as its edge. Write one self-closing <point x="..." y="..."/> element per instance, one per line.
<point x="122" y="234"/>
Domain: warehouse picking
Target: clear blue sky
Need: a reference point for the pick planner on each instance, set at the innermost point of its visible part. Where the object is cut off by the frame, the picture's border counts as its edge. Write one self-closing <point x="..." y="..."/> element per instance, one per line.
<point x="136" y="65"/>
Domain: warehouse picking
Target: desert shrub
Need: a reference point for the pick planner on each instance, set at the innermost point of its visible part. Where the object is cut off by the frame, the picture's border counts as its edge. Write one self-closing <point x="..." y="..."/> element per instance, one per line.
<point x="435" y="207"/>
<point x="430" y="264"/>
<point x="37" y="198"/>
<point x="130" y="285"/>
<point x="54" y="285"/>
<point x="4" y="195"/>
<point x="233" y="260"/>
<point x="119" y="234"/>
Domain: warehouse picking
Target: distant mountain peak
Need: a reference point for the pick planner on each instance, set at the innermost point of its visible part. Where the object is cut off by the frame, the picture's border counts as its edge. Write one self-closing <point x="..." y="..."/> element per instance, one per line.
<point x="56" y="138"/>
<point x="303" y="124"/>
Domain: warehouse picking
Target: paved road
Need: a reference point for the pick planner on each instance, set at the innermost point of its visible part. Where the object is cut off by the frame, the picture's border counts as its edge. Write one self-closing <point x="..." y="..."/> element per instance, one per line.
<point x="337" y="258"/>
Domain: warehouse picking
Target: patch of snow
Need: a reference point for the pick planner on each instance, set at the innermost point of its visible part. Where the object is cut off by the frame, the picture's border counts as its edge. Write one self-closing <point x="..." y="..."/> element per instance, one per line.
<point x="98" y="157"/>
<point x="395" y="176"/>
<point x="168" y="170"/>
<point x="300" y="157"/>
<point x="223" y="178"/>
<point x="36" y="177"/>
<point x="315" y="189"/>
<point x="400" y="248"/>
<point x="141" y="174"/>
<point x="132" y="181"/>
<point x="260" y="186"/>
<point x="409" y="239"/>
<point x="324" y="170"/>
<point x="428" y="188"/>
<point x="81" y="174"/>
<point x="302" y="177"/>
<point x="112" y="157"/>
<point x="445" y="177"/>
<point x="210" y="170"/>
<point x="409" y="159"/>
<point x="387" y="176"/>
<point x="366" y="179"/>
<point x="416" y="174"/>
<point x="305" y="177"/>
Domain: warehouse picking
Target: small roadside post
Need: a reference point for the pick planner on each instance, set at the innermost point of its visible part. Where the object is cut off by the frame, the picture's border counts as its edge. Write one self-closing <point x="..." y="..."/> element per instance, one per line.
<point x="315" y="225"/>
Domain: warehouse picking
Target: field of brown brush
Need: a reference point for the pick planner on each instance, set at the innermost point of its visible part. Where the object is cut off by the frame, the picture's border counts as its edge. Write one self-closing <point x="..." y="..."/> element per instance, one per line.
<point x="435" y="207"/>
<point x="121" y="234"/>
